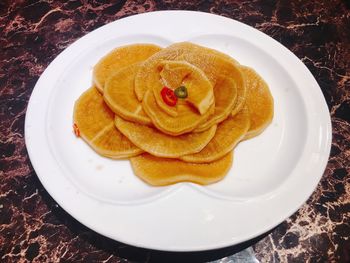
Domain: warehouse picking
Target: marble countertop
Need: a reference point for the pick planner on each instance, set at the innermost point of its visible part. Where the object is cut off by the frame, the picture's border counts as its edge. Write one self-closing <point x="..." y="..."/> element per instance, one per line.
<point x="34" y="228"/>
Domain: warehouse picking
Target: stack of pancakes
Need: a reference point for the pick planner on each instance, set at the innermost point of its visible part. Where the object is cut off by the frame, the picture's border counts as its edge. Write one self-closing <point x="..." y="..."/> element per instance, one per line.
<point x="125" y="116"/>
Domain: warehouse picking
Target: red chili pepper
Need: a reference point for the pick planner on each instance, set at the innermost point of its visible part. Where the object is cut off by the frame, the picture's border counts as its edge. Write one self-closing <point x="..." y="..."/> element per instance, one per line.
<point x="76" y="130"/>
<point x="168" y="96"/>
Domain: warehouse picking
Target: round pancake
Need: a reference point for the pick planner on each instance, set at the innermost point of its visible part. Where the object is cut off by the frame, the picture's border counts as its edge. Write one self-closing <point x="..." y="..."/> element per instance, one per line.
<point x="225" y="94"/>
<point x="259" y="102"/>
<point x="186" y="121"/>
<point x="162" y="145"/>
<point x="95" y="122"/>
<point x="213" y="63"/>
<point x="163" y="171"/>
<point x="228" y="133"/>
<point x="120" y="96"/>
<point x="174" y="74"/>
<point x="119" y="58"/>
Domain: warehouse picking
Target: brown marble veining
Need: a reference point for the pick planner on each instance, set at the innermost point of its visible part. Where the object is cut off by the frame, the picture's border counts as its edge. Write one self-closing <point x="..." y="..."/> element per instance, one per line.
<point x="32" y="33"/>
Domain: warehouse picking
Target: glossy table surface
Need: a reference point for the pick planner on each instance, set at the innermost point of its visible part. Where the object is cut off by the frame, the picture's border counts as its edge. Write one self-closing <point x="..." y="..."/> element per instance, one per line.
<point x="34" y="228"/>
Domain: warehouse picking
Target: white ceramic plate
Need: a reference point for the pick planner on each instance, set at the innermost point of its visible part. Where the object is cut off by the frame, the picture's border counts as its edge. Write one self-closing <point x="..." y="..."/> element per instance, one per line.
<point x="272" y="176"/>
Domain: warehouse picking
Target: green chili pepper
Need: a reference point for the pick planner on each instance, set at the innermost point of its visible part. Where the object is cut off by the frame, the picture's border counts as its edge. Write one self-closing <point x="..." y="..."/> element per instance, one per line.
<point x="181" y="92"/>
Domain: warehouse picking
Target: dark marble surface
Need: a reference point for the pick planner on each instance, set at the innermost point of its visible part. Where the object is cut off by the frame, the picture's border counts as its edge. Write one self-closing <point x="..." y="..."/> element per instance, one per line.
<point x="33" y="33"/>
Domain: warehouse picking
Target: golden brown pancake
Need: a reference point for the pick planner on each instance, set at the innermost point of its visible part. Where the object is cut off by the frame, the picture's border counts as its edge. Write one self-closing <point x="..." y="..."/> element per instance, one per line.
<point x="159" y="144"/>
<point x="225" y="93"/>
<point x="163" y="171"/>
<point x="95" y="122"/>
<point x="187" y="119"/>
<point x="120" y="96"/>
<point x="228" y="133"/>
<point x="174" y="74"/>
<point x="212" y="63"/>
<point x="259" y="102"/>
<point x="119" y="58"/>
